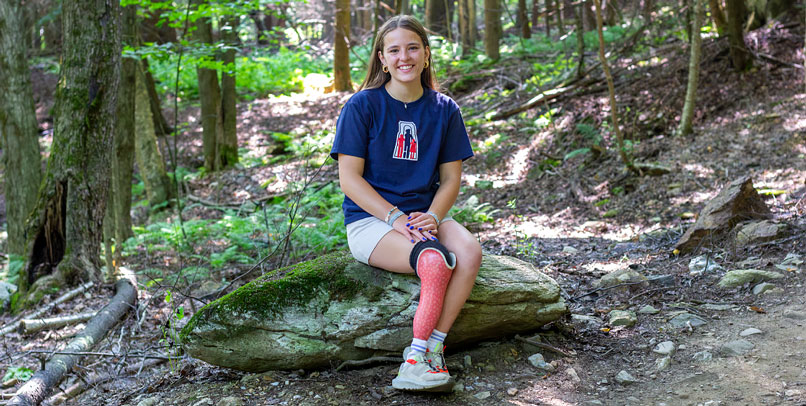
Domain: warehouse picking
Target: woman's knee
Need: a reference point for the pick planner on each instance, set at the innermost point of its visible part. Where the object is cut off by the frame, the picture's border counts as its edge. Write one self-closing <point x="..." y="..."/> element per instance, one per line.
<point x="468" y="257"/>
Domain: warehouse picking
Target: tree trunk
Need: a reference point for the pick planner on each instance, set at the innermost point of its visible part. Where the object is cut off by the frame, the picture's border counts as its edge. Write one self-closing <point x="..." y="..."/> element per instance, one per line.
<point x="65" y="229"/>
<point x="610" y="11"/>
<point x="548" y="18"/>
<point x="18" y="127"/>
<point x="580" y="41"/>
<point x="558" y="8"/>
<point x="693" y="72"/>
<point x="467" y="22"/>
<point x="738" y="49"/>
<point x="210" y="95"/>
<point x="149" y="158"/>
<point x="718" y="16"/>
<point x="522" y="21"/>
<point x="588" y="15"/>
<point x="611" y="88"/>
<point x="123" y="163"/>
<point x="436" y="15"/>
<point x="492" y="28"/>
<point x="535" y="13"/>
<point x="229" y="108"/>
<point x="341" y="52"/>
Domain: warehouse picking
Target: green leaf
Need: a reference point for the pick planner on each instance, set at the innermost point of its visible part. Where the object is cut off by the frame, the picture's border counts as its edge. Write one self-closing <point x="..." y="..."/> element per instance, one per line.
<point x="576" y="152"/>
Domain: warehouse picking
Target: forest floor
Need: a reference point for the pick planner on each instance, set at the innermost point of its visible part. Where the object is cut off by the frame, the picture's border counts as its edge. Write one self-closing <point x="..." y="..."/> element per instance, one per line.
<point x="575" y="219"/>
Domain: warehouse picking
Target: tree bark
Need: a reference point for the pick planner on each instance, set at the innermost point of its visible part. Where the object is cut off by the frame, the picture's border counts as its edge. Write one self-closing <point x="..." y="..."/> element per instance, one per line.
<point x="492" y="28"/>
<point x="738" y="49"/>
<point x="693" y="73"/>
<point x="548" y="18"/>
<point x="123" y="163"/>
<point x="522" y="21"/>
<point x="467" y="23"/>
<point x="535" y="13"/>
<point x="36" y="389"/>
<point x="18" y="126"/>
<point x="149" y="158"/>
<point x="30" y="326"/>
<point x="611" y="90"/>
<point x="558" y="7"/>
<point x="341" y="52"/>
<point x="229" y="108"/>
<point x="210" y="95"/>
<point x="65" y="230"/>
<point x="436" y="15"/>
<point x="580" y="41"/>
<point x="718" y="16"/>
<point x="160" y="123"/>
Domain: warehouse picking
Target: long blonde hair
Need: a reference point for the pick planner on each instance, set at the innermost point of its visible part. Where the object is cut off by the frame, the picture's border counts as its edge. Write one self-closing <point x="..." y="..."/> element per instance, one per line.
<point x="376" y="77"/>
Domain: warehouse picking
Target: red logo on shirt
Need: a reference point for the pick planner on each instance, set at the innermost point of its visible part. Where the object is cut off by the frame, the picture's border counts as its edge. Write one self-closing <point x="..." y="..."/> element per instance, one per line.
<point x="406" y="145"/>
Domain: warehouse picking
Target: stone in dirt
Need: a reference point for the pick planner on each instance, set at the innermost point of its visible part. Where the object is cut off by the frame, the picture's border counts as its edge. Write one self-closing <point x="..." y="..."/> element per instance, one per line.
<point x="664" y="348"/>
<point x="740" y="277"/>
<point x="622" y="276"/>
<point x="750" y="331"/>
<point x="624" y="378"/>
<point x="622" y="318"/>
<point x="794" y="315"/>
<point x="758" y="232"/>
<point x="702" y="356"/>
<point x="584" y="322"/>
<point x="572" y="374"/>
<point x="736" y="348"/>
<point x="762" y="288"/>
<point x="648" y="309"/>
<point x="703" y="264"/>
<point x="539" y="362"/>
<point x="230" y="401"/>
<point x="683" y="320"/>
<point x="737" y="202"/>
<point x="662" y="364"/>
<point x="333" y="309"/>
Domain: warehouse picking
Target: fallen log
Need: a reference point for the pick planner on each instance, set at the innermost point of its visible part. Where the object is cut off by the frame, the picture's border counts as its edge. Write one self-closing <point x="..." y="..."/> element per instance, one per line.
<point x="30" y="326"/>
<point x="81" y="386"/>
<point x="35" y="390"/>
<point x="541" y="98"/>
<point x="63" y="298"/>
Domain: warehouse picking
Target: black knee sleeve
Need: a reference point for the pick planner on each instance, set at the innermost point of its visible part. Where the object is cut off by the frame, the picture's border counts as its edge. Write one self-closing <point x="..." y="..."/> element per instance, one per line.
<point x="450" y="259"/>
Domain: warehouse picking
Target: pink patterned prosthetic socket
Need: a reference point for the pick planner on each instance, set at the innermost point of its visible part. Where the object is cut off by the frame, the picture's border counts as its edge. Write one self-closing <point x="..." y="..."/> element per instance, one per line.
<point x="434" y="270"/>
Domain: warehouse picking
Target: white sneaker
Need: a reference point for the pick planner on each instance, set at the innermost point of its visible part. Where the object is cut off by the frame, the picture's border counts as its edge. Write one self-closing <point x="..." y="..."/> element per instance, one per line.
<point x="437" y="359"/>
<point x="417" y="374"/>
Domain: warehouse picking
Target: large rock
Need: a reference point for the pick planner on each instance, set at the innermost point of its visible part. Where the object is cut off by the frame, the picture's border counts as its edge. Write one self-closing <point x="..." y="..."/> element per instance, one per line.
<point x="738" y="202"/>
<point x="332" y="309"/>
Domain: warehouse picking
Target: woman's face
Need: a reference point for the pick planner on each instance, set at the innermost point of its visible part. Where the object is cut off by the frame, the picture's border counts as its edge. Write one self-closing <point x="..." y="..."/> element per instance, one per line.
<point x="404" y="54"/>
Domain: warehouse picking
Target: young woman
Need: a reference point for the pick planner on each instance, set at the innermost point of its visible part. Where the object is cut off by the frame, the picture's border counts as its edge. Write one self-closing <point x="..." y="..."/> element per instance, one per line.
<point x="400" y="146"/>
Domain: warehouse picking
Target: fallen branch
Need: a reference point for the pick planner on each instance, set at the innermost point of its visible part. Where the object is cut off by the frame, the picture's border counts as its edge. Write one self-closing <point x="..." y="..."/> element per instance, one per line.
<point x="360" y="362"/>
<point x="35" y="390"/>
<point x="541" y="98"/>
<point x="105" y="354"/>
<point x="79" y="387"/>
<point x="544" y="346"/>
<point x="63" y="298"/>
<point x="30" y="326"/>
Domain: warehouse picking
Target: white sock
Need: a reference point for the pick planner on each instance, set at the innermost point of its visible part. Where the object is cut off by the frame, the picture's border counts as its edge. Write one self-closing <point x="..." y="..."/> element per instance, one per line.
<point x="437" y="337"/>
<point x="417" y="346"/>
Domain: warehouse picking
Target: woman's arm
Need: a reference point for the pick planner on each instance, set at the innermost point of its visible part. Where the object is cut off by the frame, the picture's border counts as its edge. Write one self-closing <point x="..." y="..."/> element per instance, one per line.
<point x="450" y="178"/>
<point x="354" y="186"/>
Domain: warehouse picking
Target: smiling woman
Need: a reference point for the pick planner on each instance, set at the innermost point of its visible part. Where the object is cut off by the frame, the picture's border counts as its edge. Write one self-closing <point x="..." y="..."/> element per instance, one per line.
<point x="400" y="146"/>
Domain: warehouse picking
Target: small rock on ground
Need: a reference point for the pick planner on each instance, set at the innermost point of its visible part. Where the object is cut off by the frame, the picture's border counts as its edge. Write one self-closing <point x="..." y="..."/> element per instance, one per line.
<point x="664" y="348"/>
<point x="683" y="320"/>
<point x="750" y="331"/>
<point x="622" y="318"/>
<point x="625" y="378"/>
<point x="230" y="401"/>
<point x="736" y="348"/>
<point x="703" y="356"/>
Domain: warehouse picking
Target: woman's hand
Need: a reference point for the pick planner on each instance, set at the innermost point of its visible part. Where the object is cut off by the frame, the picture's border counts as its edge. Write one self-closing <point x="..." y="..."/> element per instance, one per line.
<point x="414" y="233"/>
<point x="425" y="223"/>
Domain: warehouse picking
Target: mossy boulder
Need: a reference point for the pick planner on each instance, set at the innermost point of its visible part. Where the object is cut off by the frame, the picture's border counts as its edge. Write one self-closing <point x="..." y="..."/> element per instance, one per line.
<point x="332" y="308"/>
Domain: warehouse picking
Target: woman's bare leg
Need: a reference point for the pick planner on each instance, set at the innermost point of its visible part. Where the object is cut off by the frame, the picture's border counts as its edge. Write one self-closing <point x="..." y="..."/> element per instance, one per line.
<point x="392" y="253"/>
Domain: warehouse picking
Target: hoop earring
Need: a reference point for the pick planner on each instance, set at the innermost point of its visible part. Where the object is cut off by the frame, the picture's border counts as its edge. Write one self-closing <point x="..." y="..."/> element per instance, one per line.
<point x="385" y="69"/>
<point x="426" y="64"/>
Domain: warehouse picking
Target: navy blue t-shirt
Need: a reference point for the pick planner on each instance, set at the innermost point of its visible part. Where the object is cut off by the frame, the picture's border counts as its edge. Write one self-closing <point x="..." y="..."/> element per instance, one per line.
<point x="402" y="145"/>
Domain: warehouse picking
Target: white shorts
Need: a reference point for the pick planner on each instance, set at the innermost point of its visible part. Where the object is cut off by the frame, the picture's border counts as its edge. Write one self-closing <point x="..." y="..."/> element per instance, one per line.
<point x="365" y="234"/>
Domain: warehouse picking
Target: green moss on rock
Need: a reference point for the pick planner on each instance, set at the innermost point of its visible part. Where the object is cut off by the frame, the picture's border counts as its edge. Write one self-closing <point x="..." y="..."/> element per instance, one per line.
<point x="268" y="295"/>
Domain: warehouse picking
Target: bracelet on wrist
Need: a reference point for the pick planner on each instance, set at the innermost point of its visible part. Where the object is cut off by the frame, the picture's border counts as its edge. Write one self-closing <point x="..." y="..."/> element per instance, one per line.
<point x="394" y="217"/>
<point x="392" y="210"/>
<point x="434" y="215"/>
